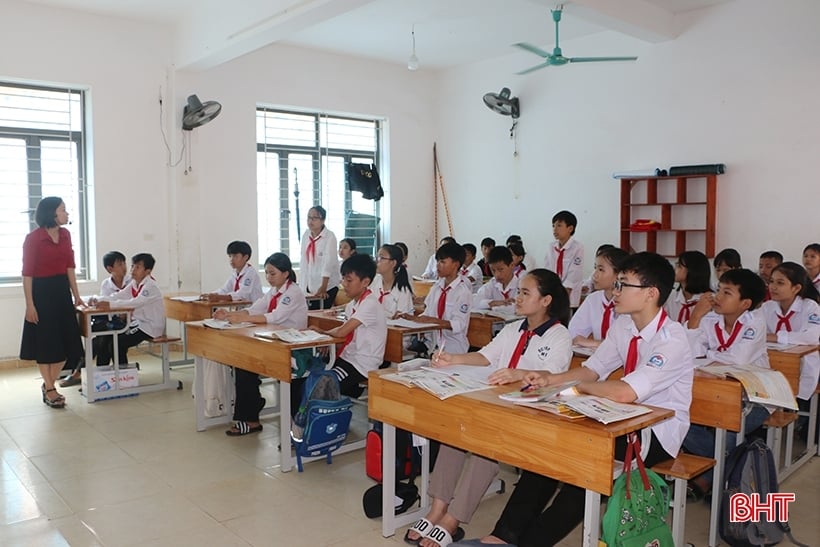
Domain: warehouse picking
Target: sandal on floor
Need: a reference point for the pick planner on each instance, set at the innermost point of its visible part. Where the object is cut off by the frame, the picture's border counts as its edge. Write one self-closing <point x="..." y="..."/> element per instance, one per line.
<point x="441" y="536"/>
<point x="421" y="527"/>
<point x="58" y="402"/>
<point x="70" y="381"/>
<point x="242" y="428"/>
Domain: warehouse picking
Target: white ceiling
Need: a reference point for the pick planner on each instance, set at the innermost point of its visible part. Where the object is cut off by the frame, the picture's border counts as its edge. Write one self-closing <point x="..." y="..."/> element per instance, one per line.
<point x="448" y="32"/>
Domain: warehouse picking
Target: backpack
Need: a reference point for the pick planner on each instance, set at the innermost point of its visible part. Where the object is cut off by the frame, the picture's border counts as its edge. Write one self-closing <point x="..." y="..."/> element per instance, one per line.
<point x="323" y="421"/>
<point x="750" y="469"/>
<point x="636" y="512"/>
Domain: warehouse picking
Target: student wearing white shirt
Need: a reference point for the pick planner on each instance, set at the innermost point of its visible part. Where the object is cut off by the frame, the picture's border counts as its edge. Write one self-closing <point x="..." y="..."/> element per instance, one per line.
<point x="658" y="372"/>
<point x="538" y="342"/>
<point x="518" y="256"/>
<point x="501" y="290"/>
<point x="319" y="268"/>
<point x="566" y="255"/>
<point x="470" y="269"/>
<point x="766" y="263"/>
<point x="811" y="261"/>
<point x="693" y="276"/>
<point x="430" y="271"/>
<point x="283" y="306"/>
<point x="591" y="322"/>
<point x="365" y="331"/>
<point x="448" y="302"/>
<point x="147" y="319"/>
<point x="793" y="317"/>
<point x="392" y="285"/>
<point x="528" y="261"/>
<point x="734" y="335"/>
<point x="244" y="283"/>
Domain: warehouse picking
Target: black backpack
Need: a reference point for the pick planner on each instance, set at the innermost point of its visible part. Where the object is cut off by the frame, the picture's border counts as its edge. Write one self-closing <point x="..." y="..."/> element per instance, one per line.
<point x="750" y="469"/>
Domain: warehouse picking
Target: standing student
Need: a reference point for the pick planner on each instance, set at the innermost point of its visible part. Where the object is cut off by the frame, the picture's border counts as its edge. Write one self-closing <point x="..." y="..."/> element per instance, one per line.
<point x="793" y="317"/>
<point x="538" y="342"/>
<point x="392" y="284"/>
<point x="487" y="245"/>
<point x="284" y="306"/>
<point x="142" y="295"/>
<point x="734" y="335"/>
<point x="347" y="248"/>
<point x="430" y="271"/>
<point x="470" y="269"/>
<point x="591" y="322"/>
<point x="244" y="283"/>
<point x="448" y="302"/>
<point x="693" y="276"/>
<point x="51" y="334"/>
<point x="658" y="371"/>
<point x="365" y="331"/>
<point x="501" y="290"/>
<point x="566" y="255"/>
<point x="319" y="269"/>
<point x="811" y="261"/>
<point x="767" y="262"/>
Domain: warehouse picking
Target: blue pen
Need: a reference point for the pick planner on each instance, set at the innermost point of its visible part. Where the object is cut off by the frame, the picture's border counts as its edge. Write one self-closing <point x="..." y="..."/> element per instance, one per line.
<point x="526" y="388"/>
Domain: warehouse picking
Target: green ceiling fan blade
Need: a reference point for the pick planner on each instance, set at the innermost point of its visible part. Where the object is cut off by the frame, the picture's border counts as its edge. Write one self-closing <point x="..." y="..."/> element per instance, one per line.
<point x="532" y="49"/>
<point x="598" y="59"/>
<point x="534" y="68"/>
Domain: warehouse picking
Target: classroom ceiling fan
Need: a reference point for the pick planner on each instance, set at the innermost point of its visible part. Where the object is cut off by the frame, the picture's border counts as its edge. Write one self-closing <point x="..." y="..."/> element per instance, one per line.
<point x="556" y="58"/>
<point x="197" y="113"/>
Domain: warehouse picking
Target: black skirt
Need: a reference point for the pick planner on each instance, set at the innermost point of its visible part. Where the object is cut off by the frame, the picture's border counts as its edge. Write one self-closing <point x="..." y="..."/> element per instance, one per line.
<point x="56" y="337"/>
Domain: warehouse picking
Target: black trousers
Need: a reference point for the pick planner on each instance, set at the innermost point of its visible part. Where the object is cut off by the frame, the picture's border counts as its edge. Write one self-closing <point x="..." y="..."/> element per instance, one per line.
<point x="524" y="521"/>
<point x="349" y="380"/>
<point x="248" y="399"/>
<point x="124" y="341"/>
<point x="327" y="303"/>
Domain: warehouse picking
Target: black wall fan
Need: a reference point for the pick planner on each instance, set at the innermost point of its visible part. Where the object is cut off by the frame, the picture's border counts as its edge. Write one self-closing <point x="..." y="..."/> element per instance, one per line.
<point x="197" y="113"/>
<point x="503" y="103"/>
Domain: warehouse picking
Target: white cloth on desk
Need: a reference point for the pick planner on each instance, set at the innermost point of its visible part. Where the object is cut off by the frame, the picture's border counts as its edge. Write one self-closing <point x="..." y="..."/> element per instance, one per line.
<point x="325" y="263"/>
<point x="805" y="325"/>
<point x="149" y="309"/>
<point x="572" y="276"/>
<point x="549" y="350"/>
<point x="250" y="286"/>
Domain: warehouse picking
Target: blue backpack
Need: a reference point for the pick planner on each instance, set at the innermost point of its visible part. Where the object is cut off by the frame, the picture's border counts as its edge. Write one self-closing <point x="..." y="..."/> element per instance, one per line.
<point x="323" y="421"/>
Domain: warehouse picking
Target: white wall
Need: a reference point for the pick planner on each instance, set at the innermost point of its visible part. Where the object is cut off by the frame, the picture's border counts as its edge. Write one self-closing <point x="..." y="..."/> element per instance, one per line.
<point x="738" y="86"/>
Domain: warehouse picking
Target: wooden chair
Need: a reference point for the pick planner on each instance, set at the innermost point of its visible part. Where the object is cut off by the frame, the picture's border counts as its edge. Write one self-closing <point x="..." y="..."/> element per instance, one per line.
<point x="683" y="468"/>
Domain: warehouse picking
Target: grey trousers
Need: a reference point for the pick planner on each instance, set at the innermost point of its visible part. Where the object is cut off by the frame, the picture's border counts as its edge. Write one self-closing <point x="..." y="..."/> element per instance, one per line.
<point x="461" y="479"/>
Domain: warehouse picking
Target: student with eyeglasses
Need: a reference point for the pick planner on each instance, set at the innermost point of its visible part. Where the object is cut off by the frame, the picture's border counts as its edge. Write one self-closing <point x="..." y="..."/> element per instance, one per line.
<point x="319" y="270"/>
<point x="392" y="284"/>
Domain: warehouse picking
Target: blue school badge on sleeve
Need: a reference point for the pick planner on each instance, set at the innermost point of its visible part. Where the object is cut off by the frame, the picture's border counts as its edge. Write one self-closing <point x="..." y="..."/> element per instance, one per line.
<point x="657" y="361"/>
<point x="577" y="261"/>
<point x="145" y="292"/>
<point x="464" y="308"/>
<point x="247" y="282"/>
<point x="285" y="300"/>
<point x="749" y="333"/>
<point x="814" y="319"/>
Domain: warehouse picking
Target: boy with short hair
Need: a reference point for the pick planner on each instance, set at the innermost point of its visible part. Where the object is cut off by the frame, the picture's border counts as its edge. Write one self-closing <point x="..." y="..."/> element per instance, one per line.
<point x="735" y="334"/>
<point x="365" y="331"/>
<point x="142" y="295"/>
<point x="448" y="302"/>
<point x="487" y="245"/>
<point x="430" y="269"/>
<point x="768" y="261"/>
<point x="470" y="269"/>
<point x="658" y="371"/>
<point x="565" y="256"/>
<point x="244" y="283"/>
<point x="502" y="289"/>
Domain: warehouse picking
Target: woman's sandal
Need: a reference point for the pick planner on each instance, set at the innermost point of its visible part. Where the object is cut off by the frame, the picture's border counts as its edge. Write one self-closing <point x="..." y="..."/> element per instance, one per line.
<point x="242" y="428"/>
<point x="442" y="537"/>
<point x="421" y="527"/>
<point x="57" y="402"/>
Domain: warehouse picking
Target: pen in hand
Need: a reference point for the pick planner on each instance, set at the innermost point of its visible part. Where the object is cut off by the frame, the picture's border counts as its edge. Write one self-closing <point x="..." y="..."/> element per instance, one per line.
<point x="440" y="351"/>
<point x="526" y="388"/>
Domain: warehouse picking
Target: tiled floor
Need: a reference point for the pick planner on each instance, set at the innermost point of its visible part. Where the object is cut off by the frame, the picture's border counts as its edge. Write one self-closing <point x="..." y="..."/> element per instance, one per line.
<point x="135" y="472"/>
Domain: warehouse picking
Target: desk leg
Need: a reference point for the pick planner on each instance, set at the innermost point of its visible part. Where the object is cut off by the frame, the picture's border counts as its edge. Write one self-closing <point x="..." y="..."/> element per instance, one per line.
<point x="199" y="393"/>
<point x="90" y="392"/>
<point x="717" y="484"/>
<point x="388" y="480"/>
<point x="286" y="457"/>
<point x="592" y="518"/>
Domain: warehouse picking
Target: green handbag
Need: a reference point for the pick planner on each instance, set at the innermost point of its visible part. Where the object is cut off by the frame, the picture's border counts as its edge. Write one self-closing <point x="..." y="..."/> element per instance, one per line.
<point x="636" y="512"/>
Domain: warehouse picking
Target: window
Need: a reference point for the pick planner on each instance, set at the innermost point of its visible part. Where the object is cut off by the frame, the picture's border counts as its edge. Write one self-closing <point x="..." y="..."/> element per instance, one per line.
<point x="301" y="161"/>
<point x="42" y="153"/>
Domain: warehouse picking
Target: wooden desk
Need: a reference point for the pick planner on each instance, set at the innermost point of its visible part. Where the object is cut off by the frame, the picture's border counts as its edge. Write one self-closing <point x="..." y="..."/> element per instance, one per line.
<point x="241" y="349"/>
<point x="394" y="346"/>
<point x="788" y="362"/>
<point x="580" y="452"/>
<point x="483" y="328"/>
<point x="421" y="287"/>
<point x="196" y="310"/>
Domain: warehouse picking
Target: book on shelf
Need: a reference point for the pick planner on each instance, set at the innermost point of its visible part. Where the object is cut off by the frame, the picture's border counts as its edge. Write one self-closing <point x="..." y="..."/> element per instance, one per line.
<point x="292" y="336"/>
<point x="443" y="382"/>
<point x="762" y="385"/>
<point x="537" y="394"/>
<point x="222" y="324"/>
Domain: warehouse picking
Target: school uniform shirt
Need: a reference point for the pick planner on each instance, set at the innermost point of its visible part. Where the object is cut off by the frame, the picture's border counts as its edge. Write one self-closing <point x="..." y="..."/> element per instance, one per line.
<point x="456" y="311"/>
<point x="245" y="285"/>
<point x="430" y="270"/>
<point x="572" y="275"/>
<point x="816" y="281"/>
<point x="663" y="373"/>
<point x="366" y="349"/>
<point x="291" y="306"/>
<point x="485" y="268"/>
<point x="395" y="300"/>
<point x="800" y="325"/>
<point x="549" y="349"/>
<point x="589" y="318"/>
<point x="108" y="287"/>
<point x="746" y="347"/>
<point x="146" y="300"/>
<point x="529" y="262"/>
<point x="475" y="272"/>
<point x="494" y="290"/>
<point x="323" y="263"/>
<point x="679" y="308"/>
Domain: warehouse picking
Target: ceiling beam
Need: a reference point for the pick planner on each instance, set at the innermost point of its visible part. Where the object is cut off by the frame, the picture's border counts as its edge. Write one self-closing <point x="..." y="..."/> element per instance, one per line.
<point x="214" y="34"/>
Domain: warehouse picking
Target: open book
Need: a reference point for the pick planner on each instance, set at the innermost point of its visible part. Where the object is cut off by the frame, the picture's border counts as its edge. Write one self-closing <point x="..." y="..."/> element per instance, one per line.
<point x="537" y="394"/>
<point x="222" y="324"/>
<point x="292" y="336"/>
<point x="762" y="385"/>
<point x="597" y="408"/>
<point x="443" y="382"/>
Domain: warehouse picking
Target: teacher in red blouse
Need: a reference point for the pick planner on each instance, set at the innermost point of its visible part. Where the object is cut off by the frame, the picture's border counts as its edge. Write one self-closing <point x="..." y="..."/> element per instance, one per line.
<point x="50" y="332"/>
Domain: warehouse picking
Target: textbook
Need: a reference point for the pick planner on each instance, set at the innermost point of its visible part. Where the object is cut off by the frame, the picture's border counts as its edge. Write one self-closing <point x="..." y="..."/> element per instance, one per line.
<point x="582" y="350"/>
<point x="537" y="394"/>
<point x="557" y="407"/>
<point x="222" y="324"/>
<point x="443" y="382"/>
<point x="762" y="385"/>
<point x="292" y="336"/>
<point x="597" y="408"/>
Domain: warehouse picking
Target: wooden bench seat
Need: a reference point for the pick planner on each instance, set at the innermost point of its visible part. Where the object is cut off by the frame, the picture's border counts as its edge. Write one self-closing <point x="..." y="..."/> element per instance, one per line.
<point x="683" y="468"/>
<point x="778" y="420"/>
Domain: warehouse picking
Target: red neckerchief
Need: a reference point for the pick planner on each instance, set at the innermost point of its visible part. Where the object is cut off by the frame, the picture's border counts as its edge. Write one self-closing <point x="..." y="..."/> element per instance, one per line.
<point x="686" y="311"/>
<point x="726" y="344"/>
<point x="310" y="252"/>
<point x="632" y="353"/>
<point x="236" y="282"/>
<point x="524" y="339"/>
<point x="275" y="299"/>
<point x="559" y="262"/>
<point x="783" y="321"/>
<point x="606" y="317"/>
